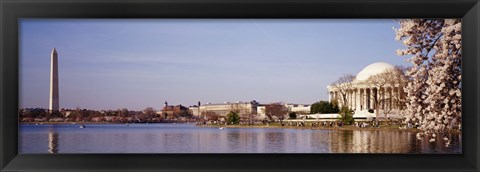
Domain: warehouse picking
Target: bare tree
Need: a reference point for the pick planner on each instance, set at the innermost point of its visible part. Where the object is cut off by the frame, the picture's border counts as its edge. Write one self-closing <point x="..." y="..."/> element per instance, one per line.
<point x="240" y="109"/>
<point x="122" y="112"/>
<point x="343" y="85"/>
<point x="211" y="115"/>
<point x="377" y="82"/>
<point x="381" y="82"/>
<point x="401" y="80"/>
<point x="180" y="111"/>
<point x="276" y="109"/>
<point x="149" y="111"/>
<point x="236" y="107"/>
<point x="148" y="114"/>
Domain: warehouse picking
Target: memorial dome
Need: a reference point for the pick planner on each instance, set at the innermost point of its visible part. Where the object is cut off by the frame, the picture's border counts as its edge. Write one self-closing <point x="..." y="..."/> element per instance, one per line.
<point x="373" y="69"/>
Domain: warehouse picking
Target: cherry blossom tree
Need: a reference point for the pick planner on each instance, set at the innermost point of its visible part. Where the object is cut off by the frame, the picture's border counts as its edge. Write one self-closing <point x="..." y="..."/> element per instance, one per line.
<point x="434" y="89"/>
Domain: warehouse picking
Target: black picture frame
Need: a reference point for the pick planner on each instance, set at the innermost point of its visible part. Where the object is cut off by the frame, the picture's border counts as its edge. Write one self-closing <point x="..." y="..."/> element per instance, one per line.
<point x="12" y="10"/>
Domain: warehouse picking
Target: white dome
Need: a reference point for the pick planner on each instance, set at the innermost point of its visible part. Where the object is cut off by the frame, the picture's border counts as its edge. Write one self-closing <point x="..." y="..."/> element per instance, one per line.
<point x="373" y="69"/>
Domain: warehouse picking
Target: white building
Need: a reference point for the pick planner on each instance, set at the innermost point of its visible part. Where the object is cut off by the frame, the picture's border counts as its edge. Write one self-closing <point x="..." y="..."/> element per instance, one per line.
<point x="261" y="112"/>
<point x="195" y="110"/>
<point x="298" y="108"/>
<point x="362" y="95"/>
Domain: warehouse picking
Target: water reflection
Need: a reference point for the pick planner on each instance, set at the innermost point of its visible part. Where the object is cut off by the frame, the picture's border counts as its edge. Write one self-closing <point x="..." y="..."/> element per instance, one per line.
<point x="275" y="141"/>
<point x="388" y="142"/>
<point x="52" y="142"/>
<point x="424" y="145"/>
<point x="168" y="138"/>
<point x="364" y="141"/>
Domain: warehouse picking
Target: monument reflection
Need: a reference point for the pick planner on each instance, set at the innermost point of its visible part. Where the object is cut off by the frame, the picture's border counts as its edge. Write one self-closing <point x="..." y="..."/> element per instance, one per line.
<point x="52" y="142"/>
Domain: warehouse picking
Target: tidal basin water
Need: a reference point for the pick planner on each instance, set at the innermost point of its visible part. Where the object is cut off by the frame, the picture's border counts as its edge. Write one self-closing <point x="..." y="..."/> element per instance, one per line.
<point x="188" y="138"/>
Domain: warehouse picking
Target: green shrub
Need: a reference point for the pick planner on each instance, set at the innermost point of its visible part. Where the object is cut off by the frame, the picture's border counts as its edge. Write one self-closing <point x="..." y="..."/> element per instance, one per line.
<point x="292" y="115"/>
<point x="346" y="115"/>
<point x="233" y="118"/>
<point x="324" y="107"/>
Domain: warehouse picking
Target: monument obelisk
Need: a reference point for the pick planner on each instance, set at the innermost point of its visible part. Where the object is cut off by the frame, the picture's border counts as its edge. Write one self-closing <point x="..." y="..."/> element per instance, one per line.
<point x="53" y="106"/>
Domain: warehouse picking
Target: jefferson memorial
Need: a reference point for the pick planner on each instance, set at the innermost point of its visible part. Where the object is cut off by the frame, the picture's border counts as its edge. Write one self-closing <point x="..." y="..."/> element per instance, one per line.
<point x="363" y="96"/>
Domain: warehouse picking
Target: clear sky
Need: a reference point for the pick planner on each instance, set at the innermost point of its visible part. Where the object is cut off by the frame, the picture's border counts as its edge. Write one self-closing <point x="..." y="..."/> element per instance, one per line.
<point x="134" y="64"/>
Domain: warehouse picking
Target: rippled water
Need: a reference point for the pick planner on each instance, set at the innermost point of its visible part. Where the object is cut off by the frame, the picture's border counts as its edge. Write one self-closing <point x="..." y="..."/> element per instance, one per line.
<point x="188" y="138"/>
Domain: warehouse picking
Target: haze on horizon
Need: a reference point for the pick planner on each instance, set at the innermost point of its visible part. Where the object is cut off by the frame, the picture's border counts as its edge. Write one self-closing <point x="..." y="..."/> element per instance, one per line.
<point x="134" y="64"/>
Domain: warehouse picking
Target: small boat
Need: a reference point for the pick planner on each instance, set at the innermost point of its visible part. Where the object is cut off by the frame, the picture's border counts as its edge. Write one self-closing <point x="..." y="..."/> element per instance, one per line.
<point x="221" y="128"/>
<point x="82" y="126"/>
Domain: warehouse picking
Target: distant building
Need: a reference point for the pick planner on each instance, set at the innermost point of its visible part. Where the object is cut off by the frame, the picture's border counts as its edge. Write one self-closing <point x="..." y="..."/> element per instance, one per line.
<point x="299" y="108"/>
<point x="195" y="110"/>
<point x="261" y="113"/>
<point x="243" y="108"/>
<point x="169" y="110"/>
<point x="222" y="109"/>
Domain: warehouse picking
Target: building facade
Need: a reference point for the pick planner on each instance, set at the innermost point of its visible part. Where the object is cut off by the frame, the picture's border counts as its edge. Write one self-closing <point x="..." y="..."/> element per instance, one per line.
<point x="222" y="109"/>
<point x="261" y="112"/>
<point x="363" y="96"/>
<point x="171" y="110"/>
<point x="252" y="108"/>
<point x="299" y="108"/>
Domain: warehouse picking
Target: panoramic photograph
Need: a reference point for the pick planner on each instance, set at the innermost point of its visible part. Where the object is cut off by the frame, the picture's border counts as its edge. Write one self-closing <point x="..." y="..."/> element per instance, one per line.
<point x="375" y="86"/>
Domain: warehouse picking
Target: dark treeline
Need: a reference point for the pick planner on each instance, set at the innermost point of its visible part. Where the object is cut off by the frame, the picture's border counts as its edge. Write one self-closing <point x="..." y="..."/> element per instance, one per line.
<point x="110" y="116"/>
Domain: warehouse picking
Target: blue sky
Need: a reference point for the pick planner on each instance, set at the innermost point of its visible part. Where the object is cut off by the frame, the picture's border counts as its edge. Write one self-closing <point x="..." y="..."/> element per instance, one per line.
<point x="134" y="64"/>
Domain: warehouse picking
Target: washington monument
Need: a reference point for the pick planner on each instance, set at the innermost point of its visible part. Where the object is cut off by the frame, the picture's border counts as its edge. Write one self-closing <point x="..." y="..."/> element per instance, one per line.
<point x="53" y="106"/>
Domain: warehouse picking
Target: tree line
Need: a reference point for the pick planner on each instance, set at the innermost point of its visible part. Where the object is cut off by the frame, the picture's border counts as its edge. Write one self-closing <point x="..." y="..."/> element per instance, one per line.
<point x="123" y="115"/>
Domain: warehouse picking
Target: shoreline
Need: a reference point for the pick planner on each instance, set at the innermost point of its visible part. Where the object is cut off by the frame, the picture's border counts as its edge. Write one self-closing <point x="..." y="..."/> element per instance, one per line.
<point x="343" y="128"/>
<point x="274" y="126"/>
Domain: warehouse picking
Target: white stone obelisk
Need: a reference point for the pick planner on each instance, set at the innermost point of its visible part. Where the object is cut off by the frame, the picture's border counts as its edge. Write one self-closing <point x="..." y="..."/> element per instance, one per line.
<point x="54" y="106"/>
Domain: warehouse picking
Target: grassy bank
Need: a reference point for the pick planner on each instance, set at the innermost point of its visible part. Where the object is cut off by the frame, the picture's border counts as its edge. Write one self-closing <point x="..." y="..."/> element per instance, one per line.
<point x="344" y="127"/>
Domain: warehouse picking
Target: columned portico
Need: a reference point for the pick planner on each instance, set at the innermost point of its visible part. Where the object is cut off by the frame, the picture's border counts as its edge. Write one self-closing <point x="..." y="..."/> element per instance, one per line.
<point x="364" y="96"/>
<point x="370" y="97"/>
